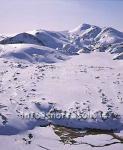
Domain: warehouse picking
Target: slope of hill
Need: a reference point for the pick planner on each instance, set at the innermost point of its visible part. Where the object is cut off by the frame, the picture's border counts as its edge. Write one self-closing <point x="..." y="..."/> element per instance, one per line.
<point x="82" y="92"/>
<point x="51" y="39"/>
<point x="31" y="53"/>
<point x="22" y="38"/>
<point x="108" y="37"/>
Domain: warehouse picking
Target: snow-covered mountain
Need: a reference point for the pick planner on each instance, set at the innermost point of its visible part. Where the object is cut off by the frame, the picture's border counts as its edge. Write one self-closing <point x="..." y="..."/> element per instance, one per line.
<point x="108" y="37"/>
<point x="50" y="38"/>
<point x="70" y="42"/>
<point x="52" y="82"/>
<point x="84" y="34"/>
<point x="22" y="38"/>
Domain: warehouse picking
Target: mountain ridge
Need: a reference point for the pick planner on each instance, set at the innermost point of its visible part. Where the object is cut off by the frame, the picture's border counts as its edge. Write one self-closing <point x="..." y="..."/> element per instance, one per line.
<point x="84" y="38"/>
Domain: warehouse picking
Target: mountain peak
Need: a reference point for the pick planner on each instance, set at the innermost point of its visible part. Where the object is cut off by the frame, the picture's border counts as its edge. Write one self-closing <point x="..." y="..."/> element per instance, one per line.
<point x="82" y="28"/>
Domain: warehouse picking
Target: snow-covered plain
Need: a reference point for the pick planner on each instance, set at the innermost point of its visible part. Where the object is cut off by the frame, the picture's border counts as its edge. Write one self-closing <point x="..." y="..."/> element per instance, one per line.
<point x="62" y="90"/>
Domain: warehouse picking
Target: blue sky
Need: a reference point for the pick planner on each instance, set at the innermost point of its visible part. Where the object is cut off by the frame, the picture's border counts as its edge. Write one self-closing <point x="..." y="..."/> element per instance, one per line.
<point x="23" y="15"/>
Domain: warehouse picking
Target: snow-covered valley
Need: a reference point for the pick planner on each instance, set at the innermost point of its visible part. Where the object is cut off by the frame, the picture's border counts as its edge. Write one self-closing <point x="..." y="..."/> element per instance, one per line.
<point x="62" y="90"/>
